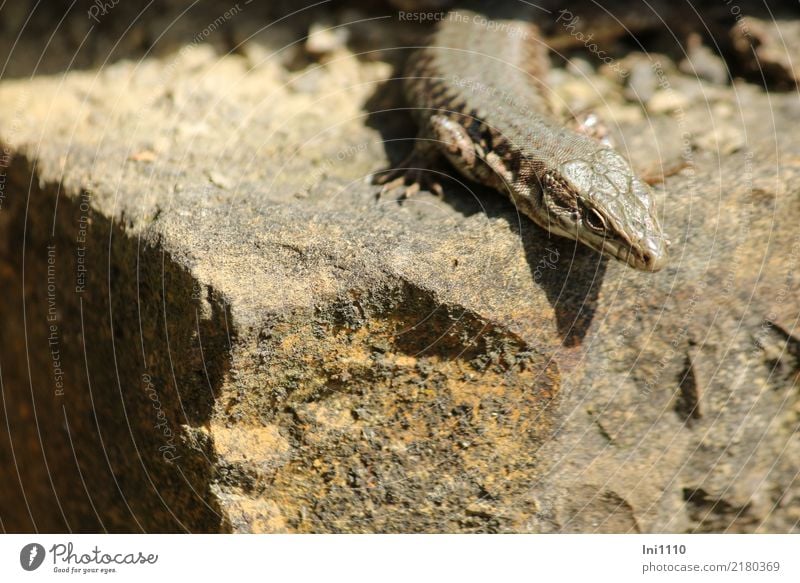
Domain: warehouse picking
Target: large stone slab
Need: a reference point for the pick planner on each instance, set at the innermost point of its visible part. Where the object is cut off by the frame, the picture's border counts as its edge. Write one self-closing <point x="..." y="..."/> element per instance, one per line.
<point x="211" y="322"/>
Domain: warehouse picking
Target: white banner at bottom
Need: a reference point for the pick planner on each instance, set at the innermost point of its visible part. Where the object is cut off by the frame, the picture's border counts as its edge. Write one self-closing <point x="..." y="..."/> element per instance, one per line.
<point x="379" y="558"/>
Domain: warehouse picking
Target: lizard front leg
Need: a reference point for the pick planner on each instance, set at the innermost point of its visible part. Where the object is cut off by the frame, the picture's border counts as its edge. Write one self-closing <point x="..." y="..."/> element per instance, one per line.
<point x="444" y="135"/>
<point x="468" y="154"/>
<point x="440" y="135"/>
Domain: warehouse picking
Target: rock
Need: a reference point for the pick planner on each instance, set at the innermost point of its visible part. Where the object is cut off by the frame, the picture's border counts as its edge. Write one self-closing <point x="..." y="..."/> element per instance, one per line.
<point x="725" y="139"/>
<point x="703" y="62"/>
<point x="644" y="77"/>
<point x="667" y="101"/>
<point x="227" y="357"/>
<point x="768" y="50"/>
<point x="324" y="38"/>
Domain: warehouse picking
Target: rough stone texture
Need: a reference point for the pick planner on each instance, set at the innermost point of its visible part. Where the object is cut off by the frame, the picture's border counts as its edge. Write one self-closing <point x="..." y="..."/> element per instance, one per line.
<point x="258" y="344"/>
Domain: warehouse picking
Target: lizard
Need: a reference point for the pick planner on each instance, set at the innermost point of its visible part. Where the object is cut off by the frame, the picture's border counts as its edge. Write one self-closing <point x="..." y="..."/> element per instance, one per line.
<point x="478" y="94"/>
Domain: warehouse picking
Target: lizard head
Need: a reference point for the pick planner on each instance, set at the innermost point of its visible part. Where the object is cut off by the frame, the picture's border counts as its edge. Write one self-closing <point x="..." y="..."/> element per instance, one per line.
<point x="598" y="201"/>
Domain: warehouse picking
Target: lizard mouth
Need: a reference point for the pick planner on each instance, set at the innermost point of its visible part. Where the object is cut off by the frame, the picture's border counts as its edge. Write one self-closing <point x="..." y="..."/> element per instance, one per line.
<point x="649" y="254"/>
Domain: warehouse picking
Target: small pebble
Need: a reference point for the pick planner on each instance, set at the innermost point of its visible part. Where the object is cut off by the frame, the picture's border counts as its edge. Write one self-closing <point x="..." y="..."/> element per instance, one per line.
<point x="724" y="139"/>
<point x="580" y="67"/>
<point x="703" y="62"/>
<point x="667" y="101"/>
<point x="219" y="179"/>
<point x="642" y="82"/>
<point x="324" y="40"/>
<point x="143" y="156"/>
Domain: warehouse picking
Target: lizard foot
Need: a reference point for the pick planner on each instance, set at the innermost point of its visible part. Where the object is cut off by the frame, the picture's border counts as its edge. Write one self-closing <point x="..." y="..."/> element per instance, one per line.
<point x="412" y="175"/>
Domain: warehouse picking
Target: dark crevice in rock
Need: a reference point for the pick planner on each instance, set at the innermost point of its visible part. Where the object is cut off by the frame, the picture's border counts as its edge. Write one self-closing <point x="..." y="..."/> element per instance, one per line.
<point x="781" y="351"/>
<point x="104" y="381"/>
<point x="687" y="405"/>
<point x="715" y="514"/>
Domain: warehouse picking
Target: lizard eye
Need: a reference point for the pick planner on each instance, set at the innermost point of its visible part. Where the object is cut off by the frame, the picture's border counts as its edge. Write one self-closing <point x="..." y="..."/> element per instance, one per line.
<point x="594" y="220"/>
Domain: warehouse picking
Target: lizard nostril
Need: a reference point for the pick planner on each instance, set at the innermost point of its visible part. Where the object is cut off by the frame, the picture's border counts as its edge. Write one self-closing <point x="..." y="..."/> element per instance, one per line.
<point x="653" y="259"/>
